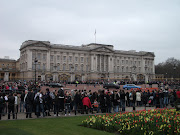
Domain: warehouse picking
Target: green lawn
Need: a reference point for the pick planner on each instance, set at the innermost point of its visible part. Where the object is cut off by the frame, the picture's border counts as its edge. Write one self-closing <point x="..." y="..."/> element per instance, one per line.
<point x="50" y="126"/>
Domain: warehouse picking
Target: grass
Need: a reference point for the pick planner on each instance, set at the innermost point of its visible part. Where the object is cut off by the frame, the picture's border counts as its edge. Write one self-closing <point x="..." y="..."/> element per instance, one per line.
<point x="50" y="126"/>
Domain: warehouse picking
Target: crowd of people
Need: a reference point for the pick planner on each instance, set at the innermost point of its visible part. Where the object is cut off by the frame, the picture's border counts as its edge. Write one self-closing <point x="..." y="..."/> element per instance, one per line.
<point x="32" y="99"/>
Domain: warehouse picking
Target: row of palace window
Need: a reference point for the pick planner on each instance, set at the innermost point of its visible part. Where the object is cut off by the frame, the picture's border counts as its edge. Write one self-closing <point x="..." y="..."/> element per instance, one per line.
<point x="81" y="59"/>
<point x="58" y="58"/>
<point x="75" y="68"/>
<point x="57" y="67"/>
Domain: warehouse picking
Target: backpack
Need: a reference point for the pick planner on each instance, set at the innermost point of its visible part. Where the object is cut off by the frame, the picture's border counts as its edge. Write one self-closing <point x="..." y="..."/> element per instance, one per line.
<point x="36" y="100"/>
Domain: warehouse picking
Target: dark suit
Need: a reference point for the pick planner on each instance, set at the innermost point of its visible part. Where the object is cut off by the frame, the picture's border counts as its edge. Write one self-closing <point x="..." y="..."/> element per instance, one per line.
<point x="1" y="106"/>
<point x="29" y="104"/>
<point x="11" y="100"/>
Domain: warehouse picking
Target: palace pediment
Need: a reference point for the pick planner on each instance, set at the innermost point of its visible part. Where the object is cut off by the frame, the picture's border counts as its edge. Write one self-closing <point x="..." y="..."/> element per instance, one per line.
<point x="102" y="49"/>
<point x="149" y="54"/>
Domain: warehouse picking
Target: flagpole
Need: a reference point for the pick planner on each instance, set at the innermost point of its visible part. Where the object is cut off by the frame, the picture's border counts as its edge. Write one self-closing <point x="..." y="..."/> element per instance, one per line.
<point x="95" y="36"/>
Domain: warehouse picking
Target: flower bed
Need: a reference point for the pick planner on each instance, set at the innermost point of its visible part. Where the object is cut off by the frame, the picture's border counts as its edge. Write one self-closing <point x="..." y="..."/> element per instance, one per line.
<point x="155" y="121"/>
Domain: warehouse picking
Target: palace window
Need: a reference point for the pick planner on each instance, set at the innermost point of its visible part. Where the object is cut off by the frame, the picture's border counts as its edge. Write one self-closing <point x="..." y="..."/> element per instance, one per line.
<point x="39" y="56"/>
<point x="82" y="59"/>
<point x="64" y="58"/>
<point x="44" y="66"/>
<point x="64" y="67"/>
<point x="70" y="58"/>
<point x="76" y="59"/>
<point x="58" y="57"/>
<point x="51" y="57"/>
<point x="44" y="56"/>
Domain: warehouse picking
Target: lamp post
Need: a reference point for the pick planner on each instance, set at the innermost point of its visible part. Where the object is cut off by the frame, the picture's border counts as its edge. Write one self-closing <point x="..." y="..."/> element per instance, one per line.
<point x="134" y="68"/>
<point x="174" y="67"/>
<point x="72" y="67"/>
<point x="108" y="76"/>
<point x="145" y="73"/>
<point x="35" y="61"/>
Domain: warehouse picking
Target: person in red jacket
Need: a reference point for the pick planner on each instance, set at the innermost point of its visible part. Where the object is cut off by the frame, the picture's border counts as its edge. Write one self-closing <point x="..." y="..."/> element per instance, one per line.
<point x="86" y="104"/>
<point x="177" y="103"/>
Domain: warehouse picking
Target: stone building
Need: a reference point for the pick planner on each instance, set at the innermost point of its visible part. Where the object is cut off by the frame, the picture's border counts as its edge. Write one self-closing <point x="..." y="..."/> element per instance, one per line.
<point x="9" y="69"/>
<point x="94" y="61"/>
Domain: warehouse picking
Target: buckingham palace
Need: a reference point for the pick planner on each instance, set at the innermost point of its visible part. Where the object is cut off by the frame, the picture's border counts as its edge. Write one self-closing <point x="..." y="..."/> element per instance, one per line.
<point x="57" y="62"/>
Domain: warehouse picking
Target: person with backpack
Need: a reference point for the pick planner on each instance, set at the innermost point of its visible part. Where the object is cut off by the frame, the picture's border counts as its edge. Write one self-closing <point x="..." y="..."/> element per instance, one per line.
<point x="61" y="99"/>
<point x="67" y="103"/>
<point x="38" y="100"/>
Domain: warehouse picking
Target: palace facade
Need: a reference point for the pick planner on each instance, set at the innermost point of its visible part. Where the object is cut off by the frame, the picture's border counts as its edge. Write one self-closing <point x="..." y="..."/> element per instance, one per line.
<point x="9" y="69"/>
<point x="93" y="61"/>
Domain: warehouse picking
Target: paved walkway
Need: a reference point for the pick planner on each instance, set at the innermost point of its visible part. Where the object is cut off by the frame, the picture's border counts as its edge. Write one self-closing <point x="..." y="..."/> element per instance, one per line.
<point x="21" y="116"/>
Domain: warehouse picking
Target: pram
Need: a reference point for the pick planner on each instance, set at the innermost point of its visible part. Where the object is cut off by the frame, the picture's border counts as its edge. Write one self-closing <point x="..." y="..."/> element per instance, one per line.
<point x="150" y="101"/>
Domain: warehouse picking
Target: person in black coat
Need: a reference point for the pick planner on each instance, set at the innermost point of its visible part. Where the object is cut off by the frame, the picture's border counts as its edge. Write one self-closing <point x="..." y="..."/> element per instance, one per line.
<point x="61" y="99"/>
<point x="1" y="104"/>
<point x="56" y="104"/>
<point x="115" y="98"/>
<point x="47" y="101"/>
<point x="122" y="98"/>
<point x="102" y="101"/>
<point x="108" y="102"/>
<point x="11" y="100"/>
<point x="29" y="99"/>
<point x="77" y="101"/>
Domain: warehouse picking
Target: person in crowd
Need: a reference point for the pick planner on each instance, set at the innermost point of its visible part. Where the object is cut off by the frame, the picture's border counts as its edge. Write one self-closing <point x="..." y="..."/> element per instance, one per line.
<point x="115" y="98"/>
<point x="102" y="101"/>
<point x="77" y="101"/>
<point x="131" y="98"/>
<point x="161" y="97"/>
<point x="67" y="103"/>
<point x="61" y="99"/>
<point x="11" y="100"/>
<point x="56" y="103"/>
<point x="22" y="102"/>
<point x="86" y="104"/>
<point x="29" y="99"/>
<point x="1" y="104"/>
<point x="47" y="101"/>
<point x="127" y="99"/>
<point x="138" y="98"/>
<point x="16" y="103"/>
<point x="122" y="99"/>
<point x="157" y="98"/>
<point x="171" y="99"/>
<point x="134" y="99"/>
<point x="95" y="105"/>
<point x="108" y="102"/>
<point x="166" y="94"/>
<point x="177" y="103"/>
<point x="38" y="100"/>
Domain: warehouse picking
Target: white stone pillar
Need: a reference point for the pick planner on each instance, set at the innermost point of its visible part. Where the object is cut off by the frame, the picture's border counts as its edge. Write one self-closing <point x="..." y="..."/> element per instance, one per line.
<point x="109" y="63"/>
<point x="95" y="63"/>
<point x="100" y="62"/>
<point x="48" y="61"/>
<point x="92" y="63"/>
<point x="6" y="76"/>
<point x="29" y="60"/>
<point x="42" y="77"/>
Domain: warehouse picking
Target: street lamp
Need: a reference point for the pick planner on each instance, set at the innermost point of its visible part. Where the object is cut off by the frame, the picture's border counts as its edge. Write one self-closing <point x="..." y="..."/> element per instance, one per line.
<point x="174" y="67"/>
<point x="133" y="68"/>
<point x="35" y="61"/>
<point x="108" y="76"/>
<point x="72" y="67"/>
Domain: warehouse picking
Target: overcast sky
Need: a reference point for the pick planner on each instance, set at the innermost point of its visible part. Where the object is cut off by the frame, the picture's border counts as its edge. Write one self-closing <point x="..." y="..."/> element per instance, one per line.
<point x="141" y="25"/>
